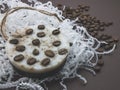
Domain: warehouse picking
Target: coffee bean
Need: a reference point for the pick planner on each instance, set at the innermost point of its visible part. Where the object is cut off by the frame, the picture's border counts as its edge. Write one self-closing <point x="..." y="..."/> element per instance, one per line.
<point x="41" y="34"/>
<point x="35" y="52"/>
<point x="116" y="40"/>
<point x="99" y="56"/>
<point x="41" y="27"/>
<point x="56" y="43"/>
<point x="63" y="51"/>
<point x="20" y="48"/>
<point x="36" y="42"/>
<point x="45" y="62"/>
<point x="97" y="68"/>
<point x="31" y="61"/>
<point x="100" y="49"/>
<point x="108" y="47"/>
<point x="49" y="53"/>
<point x="14" y="41"/>
<point x="29" y="31"/>
<point x="19" y="57"/>
<point x="56" y="32"/>
<point x="100" y="63"/>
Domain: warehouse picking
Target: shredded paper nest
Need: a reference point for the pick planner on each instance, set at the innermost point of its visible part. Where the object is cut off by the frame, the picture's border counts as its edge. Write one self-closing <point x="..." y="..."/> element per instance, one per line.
<point x="80" y="56"/>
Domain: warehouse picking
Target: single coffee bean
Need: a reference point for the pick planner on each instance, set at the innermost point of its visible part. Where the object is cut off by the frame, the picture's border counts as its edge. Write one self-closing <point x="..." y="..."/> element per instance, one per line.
<point x="35" y="52"/>
<point x="97" y="68"/>
<point x="31" y="61"/>
<point x="20" y="48"/>
<point x="49" y="53"/>
<point x="99" y="56"/>
<point x="41" y="34"/>
<point x="45" y="62"/>
<point x="63" y="51"/>
<point x="36" y="42"/>
<point x="19" y="57"/>
<point x="29" y="31"/>
<point x="41" y="27"/>
<point x="14" y="41"/>
<point x="108" y="47"/>
<point x="100" y="63"/>
<point x="100" y="49"/>
<point x="56" y="32"/>
<point x="56" y="43"/>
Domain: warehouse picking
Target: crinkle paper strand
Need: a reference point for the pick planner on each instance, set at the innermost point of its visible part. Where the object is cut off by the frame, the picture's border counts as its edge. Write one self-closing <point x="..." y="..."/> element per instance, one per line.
<point x="80" y="55"/>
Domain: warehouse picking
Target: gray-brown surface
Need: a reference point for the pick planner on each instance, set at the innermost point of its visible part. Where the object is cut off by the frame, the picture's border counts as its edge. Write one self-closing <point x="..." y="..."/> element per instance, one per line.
<point x="109" y="77"/>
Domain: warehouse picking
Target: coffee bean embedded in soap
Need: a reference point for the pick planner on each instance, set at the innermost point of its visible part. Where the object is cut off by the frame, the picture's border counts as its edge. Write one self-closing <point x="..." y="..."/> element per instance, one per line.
<point x="19" y="57"/>
<point x="14" y="41"/>
<point x="41" y="27"/>
<point x="56" y="32"/>
<point x="56" y="43"/>
<point x="31" y="61"/>
<point x="36" y="42"/>
<point x="35" y="52"/>
<point x="45" y="62"/>
<point x="20" y="48"/>
<point x="41" y="34"/>
<point x="49" y="53"/>
<point x="29" y="31"/>
<point x="63" y="51"/>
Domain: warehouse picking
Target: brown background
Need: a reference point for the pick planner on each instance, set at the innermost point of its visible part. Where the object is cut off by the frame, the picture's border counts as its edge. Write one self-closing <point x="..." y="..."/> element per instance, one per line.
<point x="109" y="77"/>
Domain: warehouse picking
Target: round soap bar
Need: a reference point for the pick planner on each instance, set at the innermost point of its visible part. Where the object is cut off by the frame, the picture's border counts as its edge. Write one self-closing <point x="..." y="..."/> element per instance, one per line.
<point x="41" y="49"/>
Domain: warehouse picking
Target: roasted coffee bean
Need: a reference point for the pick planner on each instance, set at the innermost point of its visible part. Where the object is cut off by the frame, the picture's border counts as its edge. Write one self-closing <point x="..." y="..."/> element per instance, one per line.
<point x="116" y="40"/>
<point x="20" y="48"/>
<point x="108" y="47"/>
<point x="110" y="40"/>
<point x="41" y="34"/>
<point x="101" y="28"/>
<point x="63" y="51"/>
<point x="100" y="63"/>
<point x="19" y="57"/>
<point x="41" y="27"/>
<point x="14" y="41"/>
<point x="36" y="42"/>
<point x="45" y="62"/>
<point x="35" y="52"/>
<point x="29" y="31"/>
<point x="56" y="32"/>
<point x="97" y="68"/>
<point x="100" y="49"/>
<point x="31" y="61"/>
<point x="99" y="56"/>
<point x="49" y="53"/>
<point x="56" y="43"/>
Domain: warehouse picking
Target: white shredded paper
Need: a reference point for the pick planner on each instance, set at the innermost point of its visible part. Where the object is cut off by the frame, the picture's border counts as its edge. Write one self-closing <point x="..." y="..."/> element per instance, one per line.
<point x="80" y="55"/>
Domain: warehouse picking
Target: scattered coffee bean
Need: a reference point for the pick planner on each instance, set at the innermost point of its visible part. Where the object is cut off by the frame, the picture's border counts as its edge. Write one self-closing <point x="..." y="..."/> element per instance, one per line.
<point x="108" y="47"/>
<point x="100" y="63"/>
<point x="56" y="43"/>
<point x="29" y="31"/>
<point x="45" y="62"/>
<point x="14" y="41"/>
<point x="41" y="27"/>
<point x="36" y="42"/>
<point x="20" y="48"/>
<point x="116" y="40"/>
<point x="31" y="61"/>
<point x="100" y="49"/>
<point x="49" y="53"/>
<point x="41" y="34"/>
<point x="56" y="32"/>
<point x="99" y="56"/>
<point x="63" y="51"/>
<point x="97" y="68"/>
<point x="35" y="52"/>
<point x="19" y="57"/>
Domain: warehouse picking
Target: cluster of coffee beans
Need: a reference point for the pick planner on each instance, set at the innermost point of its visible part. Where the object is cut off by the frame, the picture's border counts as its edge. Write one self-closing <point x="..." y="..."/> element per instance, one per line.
<point x="94" y="26"/>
